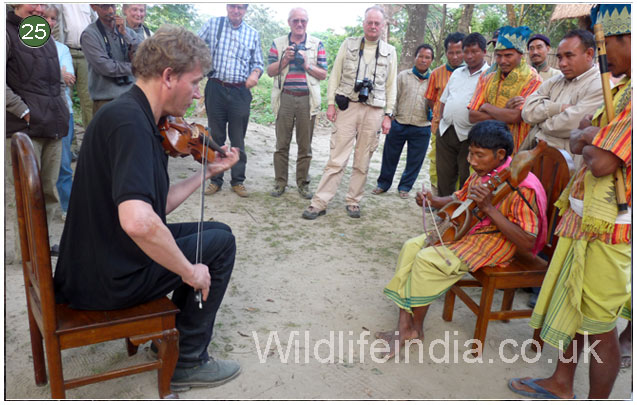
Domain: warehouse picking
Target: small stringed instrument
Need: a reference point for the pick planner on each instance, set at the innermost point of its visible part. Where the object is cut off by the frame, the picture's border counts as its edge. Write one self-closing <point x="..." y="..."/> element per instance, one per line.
<point x="455" y="219"/>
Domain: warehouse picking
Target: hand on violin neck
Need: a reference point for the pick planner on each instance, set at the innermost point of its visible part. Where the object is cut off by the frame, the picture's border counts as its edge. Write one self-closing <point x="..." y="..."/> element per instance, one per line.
<point x="221" y="164"/>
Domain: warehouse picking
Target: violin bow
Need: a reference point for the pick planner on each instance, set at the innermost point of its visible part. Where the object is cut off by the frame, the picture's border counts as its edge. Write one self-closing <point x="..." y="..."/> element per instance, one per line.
<point x="620" y="187"/>
<point x="424" y="224"/>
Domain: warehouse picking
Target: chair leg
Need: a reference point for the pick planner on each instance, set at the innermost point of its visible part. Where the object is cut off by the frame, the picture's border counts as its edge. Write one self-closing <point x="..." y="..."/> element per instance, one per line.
<point x="131" y="348"/>
<point x="507" y="301"/>
<point x="482" y="323"/>
<point x="450" y="299"/>
<point x="168" y="353"/>
<point x="56" y="375"/>
<point x="37" y="350"/>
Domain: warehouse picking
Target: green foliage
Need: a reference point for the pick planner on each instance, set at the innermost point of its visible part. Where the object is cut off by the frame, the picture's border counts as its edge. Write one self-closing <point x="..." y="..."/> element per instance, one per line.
<point x="260" y="17"/>
<point x="260" y="109"/>
<point x="184" y="15"/>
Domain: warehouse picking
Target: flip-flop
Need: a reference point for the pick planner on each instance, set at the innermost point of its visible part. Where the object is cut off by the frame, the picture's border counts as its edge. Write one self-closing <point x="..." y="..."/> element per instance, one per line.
<point x="626" y="361"/>
<point x="540" y="393"/>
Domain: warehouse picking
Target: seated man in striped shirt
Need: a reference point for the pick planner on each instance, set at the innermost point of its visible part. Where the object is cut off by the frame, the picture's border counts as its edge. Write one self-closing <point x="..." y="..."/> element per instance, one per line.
<point x="298" y="63"/>
<point x="516" y="224"/>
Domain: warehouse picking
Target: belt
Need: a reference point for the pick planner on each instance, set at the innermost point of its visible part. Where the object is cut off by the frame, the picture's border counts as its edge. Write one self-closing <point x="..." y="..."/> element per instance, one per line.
<point x="225" y="84"/>
<point x="296" y="93"/>
<point x="75" y="49"/>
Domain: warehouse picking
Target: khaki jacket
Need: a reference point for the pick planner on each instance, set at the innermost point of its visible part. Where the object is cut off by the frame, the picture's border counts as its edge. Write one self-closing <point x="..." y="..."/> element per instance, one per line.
<point x="313" y="84"/>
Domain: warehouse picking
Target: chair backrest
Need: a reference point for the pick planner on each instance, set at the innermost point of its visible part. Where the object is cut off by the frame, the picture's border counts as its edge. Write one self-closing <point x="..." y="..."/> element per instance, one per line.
<point x="554" y="169"/>
<point x="34" y="234"/>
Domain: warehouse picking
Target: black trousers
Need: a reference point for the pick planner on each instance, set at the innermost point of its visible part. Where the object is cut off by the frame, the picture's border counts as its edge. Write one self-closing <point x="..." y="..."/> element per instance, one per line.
<point x="228" y="110"/>
<point x="451" y="161"/>
<point x="195" y="325"/>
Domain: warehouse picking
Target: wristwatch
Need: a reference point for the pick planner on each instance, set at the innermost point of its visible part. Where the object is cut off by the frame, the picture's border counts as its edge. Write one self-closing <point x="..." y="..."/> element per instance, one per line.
<point x="390" y="115"/>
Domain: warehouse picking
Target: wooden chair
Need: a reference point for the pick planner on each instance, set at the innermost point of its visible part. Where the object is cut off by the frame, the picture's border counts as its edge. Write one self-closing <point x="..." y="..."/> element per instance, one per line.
<point x="554" y="169"/>
<point x="62" y="327"/>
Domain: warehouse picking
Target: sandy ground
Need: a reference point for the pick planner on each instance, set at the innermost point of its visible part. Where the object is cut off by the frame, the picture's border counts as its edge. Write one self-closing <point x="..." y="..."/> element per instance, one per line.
<point x="307" y="281"/>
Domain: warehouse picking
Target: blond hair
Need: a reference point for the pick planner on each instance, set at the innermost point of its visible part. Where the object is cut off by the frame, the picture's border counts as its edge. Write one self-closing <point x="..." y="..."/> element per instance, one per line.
<point x="174" y="47"/>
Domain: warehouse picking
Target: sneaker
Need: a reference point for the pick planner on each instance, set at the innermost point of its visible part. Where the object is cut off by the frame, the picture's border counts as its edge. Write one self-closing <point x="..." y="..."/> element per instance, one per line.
<point x="354" y="211"/>
<point x="305" y="192"/>
<point x="212" y="188"/>
<point x="277" y="191"/>
<point x="213" y="373"/>
<point x="240" y="189"/>
<point x="312" y="213"/>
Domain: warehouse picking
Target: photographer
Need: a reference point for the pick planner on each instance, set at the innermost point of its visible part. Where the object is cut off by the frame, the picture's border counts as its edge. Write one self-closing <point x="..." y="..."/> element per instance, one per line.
<point x="363" y="85"/>
<point x="108" y="46"/>
<point x="298" y="63"/>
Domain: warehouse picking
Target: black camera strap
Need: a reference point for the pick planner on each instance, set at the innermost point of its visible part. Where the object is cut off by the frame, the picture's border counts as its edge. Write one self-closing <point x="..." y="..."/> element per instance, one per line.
<point x="360" y="56"/>
<point x="107" y="43"/>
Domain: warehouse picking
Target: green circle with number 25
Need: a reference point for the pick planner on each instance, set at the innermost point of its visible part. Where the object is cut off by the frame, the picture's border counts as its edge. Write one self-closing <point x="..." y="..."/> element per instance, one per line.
<point x="34" y="31"/>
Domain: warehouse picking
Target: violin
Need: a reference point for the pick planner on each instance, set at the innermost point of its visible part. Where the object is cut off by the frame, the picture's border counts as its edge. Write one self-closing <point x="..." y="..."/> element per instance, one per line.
<point x="182" y="139"/>
<point x="456" y="218"/>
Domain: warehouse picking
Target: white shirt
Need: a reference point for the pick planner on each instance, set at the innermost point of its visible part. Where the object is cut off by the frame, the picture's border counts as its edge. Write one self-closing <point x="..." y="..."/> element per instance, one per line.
<point x="75" y="18"/>
<point x="456" y="98"/>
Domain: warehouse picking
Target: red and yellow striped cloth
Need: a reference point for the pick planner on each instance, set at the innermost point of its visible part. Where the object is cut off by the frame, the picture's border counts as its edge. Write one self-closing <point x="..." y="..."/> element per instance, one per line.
<point x="488" y="246"/>
<point x="437" y="83"/>
<point x="615" y="137"/>
<point x="498" y="97"/>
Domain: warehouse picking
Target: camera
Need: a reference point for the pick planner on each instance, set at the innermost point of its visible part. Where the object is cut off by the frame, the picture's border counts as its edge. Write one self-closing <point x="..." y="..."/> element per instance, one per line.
<point x="298" y="58"/>
<point x="122" y="80"/>
<point x="363" y="87"/>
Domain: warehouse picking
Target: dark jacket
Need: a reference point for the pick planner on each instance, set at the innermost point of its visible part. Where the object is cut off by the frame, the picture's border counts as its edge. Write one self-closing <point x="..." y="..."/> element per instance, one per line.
<point x="33" y="74"/>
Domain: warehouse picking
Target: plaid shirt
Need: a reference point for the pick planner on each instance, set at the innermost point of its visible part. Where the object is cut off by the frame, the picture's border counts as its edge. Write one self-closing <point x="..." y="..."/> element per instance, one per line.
<point x="238" y="52"/>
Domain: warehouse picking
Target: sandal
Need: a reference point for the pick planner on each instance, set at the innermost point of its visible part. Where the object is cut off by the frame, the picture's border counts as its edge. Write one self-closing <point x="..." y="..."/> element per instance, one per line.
<point x="378" y="190"/>
<point x="354" y="211"/>
<point x="403" y="194"/>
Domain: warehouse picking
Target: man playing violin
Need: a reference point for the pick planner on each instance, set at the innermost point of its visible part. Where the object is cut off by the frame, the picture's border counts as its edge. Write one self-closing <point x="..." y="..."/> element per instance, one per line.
<point x="117" y="249"/>
<point x="516" y="225"/>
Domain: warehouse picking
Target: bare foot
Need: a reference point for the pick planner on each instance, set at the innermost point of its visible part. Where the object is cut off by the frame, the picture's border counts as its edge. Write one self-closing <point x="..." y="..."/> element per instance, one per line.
<point x="544" y="383"/>
<point x="396" y="340"/>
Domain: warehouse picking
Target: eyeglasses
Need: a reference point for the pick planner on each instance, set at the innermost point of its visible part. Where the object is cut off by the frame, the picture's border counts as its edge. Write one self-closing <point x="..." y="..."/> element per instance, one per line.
<point x="299" y="21"/>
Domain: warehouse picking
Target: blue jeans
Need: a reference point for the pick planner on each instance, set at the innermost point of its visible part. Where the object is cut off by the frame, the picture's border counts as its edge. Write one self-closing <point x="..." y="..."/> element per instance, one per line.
<point x="65" y="178"/>
<point x="417" y="139"/>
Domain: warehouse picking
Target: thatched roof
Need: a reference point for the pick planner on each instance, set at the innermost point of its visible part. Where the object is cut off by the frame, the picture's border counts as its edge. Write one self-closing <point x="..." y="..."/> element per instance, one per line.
<point x="563" y="11"/>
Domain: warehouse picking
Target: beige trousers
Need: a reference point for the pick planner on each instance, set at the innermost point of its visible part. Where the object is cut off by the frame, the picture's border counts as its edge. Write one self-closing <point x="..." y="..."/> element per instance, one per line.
<point x="357" y="128"/>
<point x="48" y="152"/>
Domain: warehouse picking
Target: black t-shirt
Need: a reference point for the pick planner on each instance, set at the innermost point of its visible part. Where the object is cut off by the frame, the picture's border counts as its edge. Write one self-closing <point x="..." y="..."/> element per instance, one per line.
<point x="100" y="267"/>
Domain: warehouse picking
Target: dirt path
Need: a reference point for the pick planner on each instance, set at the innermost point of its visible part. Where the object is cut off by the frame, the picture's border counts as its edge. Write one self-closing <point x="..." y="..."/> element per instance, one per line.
<point x="304" y="280"/>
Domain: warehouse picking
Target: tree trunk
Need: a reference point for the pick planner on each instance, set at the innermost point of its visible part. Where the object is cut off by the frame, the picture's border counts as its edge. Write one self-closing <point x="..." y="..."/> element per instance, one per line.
<point x="390" y="12"/>
<point x="465" y="20"/>
<point x="440" y="47"/>
<point x="414" y="35"/>
<point x="511" y="15"/>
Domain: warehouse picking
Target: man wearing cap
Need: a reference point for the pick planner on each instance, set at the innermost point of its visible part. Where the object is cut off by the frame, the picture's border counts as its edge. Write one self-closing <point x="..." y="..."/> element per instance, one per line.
<point x="502" y="89"/>
<point x="589" y="278"/>
<point x="539" y="47"/>
<point x="557" y="107"/>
